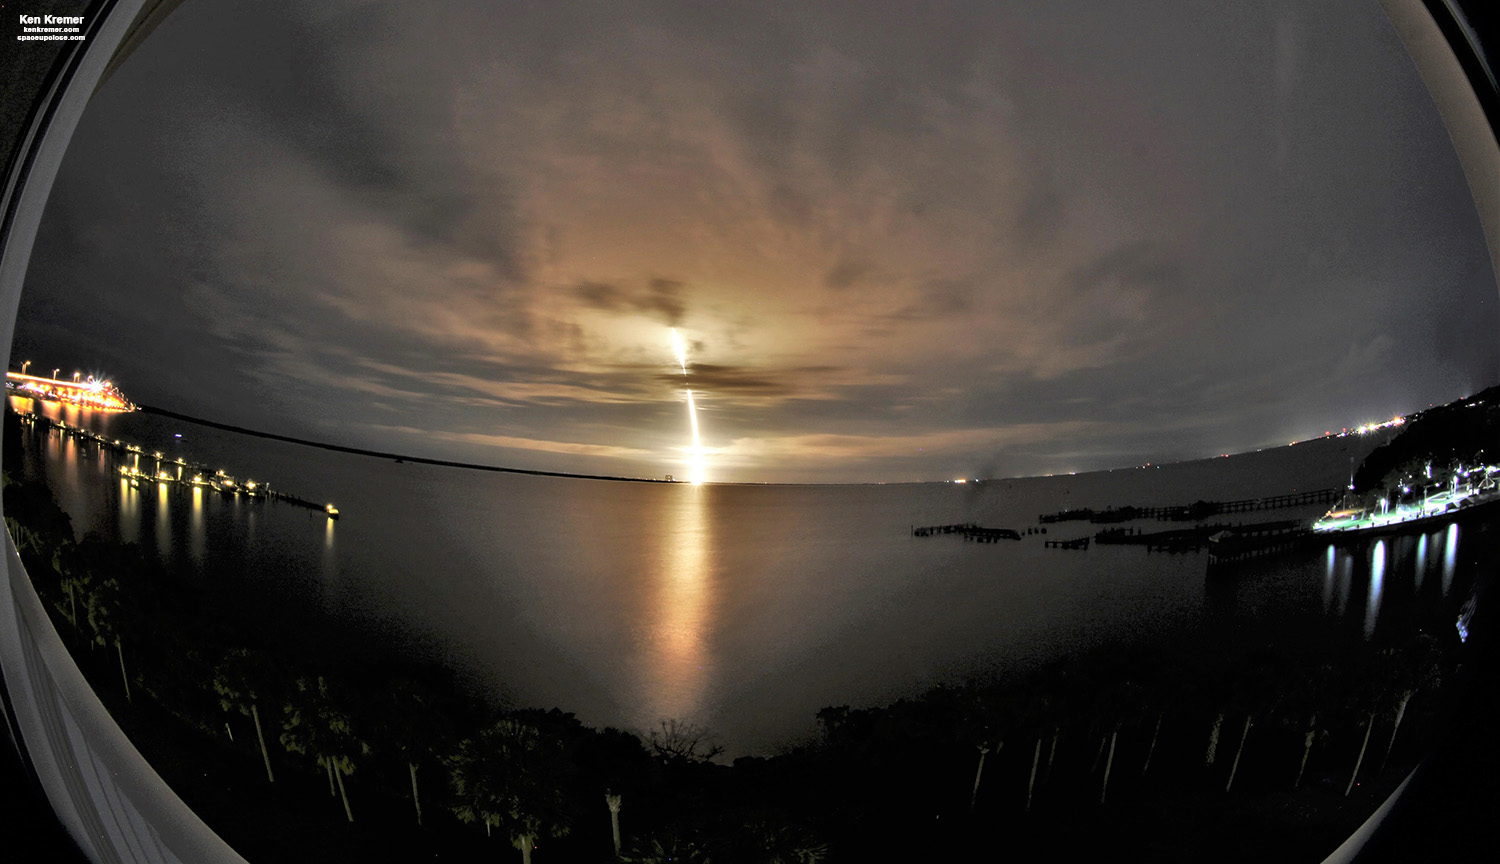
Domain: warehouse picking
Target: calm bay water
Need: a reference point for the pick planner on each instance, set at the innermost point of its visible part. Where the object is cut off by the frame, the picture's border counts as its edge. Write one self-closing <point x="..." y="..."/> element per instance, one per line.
<point x="742" y="608"/>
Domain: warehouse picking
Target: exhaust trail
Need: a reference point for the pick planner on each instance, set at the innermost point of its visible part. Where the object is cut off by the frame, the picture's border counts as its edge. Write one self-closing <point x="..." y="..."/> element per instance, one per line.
<point x="695" y="451"/>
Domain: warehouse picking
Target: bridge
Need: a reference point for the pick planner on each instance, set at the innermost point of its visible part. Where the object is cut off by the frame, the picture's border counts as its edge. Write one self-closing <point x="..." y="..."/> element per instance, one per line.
<point x="88" y="392"/>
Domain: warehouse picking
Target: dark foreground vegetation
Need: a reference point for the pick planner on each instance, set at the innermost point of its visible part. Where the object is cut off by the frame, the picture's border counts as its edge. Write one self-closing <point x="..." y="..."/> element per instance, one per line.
<point x="296" y="755"/>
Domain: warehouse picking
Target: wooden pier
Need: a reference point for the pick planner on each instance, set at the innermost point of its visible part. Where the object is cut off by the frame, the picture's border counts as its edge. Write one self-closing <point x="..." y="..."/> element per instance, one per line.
<point x="1196" y="510"/>
<point x="991" y="535"/>
<point x="1083" y="514"/>
<point x="1260" y="540"/>
<point x="930" y="530"/>
<point x="1202" y="509"/>
<point x="969" y="531"/>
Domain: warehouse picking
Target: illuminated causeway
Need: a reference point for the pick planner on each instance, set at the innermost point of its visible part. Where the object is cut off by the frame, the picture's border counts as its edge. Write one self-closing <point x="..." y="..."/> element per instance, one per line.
<point x="87" y="392"/>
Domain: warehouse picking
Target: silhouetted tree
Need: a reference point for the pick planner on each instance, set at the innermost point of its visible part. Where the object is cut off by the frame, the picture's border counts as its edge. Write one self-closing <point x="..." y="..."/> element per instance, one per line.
<point x="243" y="679"/>
<point x="313" y="724"/>
<point x="412" y="719"/>
<point x="678" y="741"/>
<point x="106" y="607"/>
<point x="511" y="778"/>
<point x="613" y="801"/>
<point x="1307" y="695"/>
<point x="675" y="845"/>
<point x="1403" y="674"/>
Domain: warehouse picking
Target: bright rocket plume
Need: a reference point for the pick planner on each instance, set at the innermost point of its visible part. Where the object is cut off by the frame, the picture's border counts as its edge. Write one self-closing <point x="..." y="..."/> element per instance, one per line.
<point x="695" y="458"/>
<point x="681" y="351"/>
<point x="695" y="452"/>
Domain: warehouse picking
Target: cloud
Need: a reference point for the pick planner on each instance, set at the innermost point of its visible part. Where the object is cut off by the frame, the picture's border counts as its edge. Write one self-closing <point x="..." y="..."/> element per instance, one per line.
<point x="845" y="273"/>
<point x="1004" y="217"/>
<point x="664" y="302"/>
<point x="661" y="299"/>
<point x="513" y="443"/>
<point x="810" y="454"/>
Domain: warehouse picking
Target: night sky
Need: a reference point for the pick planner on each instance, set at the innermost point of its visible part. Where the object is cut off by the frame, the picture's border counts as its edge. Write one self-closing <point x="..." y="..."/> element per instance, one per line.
<point x="902" y="241"/>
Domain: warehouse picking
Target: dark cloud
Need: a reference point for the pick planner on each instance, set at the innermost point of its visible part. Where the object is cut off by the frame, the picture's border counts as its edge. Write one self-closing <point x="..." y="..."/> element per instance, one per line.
<point x="1126" y="292"/>
<point x="938" y="299"/>
<point x="601" y="295"/>
<point x="757" y="382"/>
<point x="664" y="301"/>
<point x="845" y="273"/>
<point x="661" y="299"/>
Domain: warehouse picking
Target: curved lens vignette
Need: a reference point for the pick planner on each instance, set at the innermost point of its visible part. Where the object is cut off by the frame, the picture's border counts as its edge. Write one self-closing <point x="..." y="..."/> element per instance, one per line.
<point x="730" y="431"/>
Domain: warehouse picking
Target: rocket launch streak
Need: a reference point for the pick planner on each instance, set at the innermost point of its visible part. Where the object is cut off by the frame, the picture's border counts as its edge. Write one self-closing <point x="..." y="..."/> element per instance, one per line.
<point x="695" y="452"/>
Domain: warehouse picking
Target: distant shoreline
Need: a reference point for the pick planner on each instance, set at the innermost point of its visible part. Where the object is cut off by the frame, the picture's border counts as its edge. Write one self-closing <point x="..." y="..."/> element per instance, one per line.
<point x="535" y="472"/>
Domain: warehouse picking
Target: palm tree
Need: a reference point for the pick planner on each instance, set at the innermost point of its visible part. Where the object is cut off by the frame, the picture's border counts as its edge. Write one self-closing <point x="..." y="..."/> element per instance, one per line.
<point x="672" y="846"/>
<point x="612" y="801"/>
<point x="781" y="842"/>
<point x="1361" y="698"/>
<point x="106" y="608"/>
<point x="242" y="680"/>
<point x="1257" y="690"/>
<point x="1405" y="673"/>
<point x="413" y="719"/>
<point x="1369" y="725"/>
<point x="509" y="777"/>
<point x="984" y="750"/>
<point x="1235" y="767"/>
<point x="1162" y="683"/>
<point x="1305" y="699"/>
<point x="72" y="578"/>
<point x="1161" y="713"/>
<point x="314" y="725"/>
<point x="1119" y="701"/>
<point x="1036" y="757"/>
<point x="1213" y="740"/>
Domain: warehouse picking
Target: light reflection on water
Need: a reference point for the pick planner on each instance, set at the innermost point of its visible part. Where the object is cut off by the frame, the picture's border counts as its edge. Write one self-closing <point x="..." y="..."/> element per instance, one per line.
<point x="1377" y="587"/>
<point x="330" y="552"/>
<point x="678" y="653"/>
<point x="130" y="512"/>
<point x="163" y="520"/>
<point x="196" y="536"/>
<point x="1450" y="557"/>
<point x="1345" y="584"/>
<point x="1328" y="578"/>
<point x="1421" y="571"/>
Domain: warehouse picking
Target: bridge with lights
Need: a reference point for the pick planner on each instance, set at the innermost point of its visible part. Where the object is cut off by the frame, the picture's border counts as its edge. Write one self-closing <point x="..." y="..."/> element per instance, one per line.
<point x="87" y="392"/>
